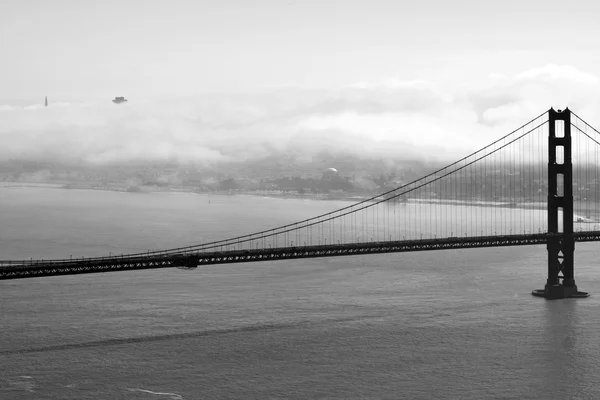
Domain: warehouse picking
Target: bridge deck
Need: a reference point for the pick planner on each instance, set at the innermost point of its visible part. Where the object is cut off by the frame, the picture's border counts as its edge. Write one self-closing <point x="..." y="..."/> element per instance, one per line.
<point x="37" y="268"/>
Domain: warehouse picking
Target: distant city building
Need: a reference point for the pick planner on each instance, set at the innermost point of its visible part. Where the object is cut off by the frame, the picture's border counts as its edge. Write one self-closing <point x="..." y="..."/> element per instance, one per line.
<point x="119" y="100"/>
<point x="46" y="102"/>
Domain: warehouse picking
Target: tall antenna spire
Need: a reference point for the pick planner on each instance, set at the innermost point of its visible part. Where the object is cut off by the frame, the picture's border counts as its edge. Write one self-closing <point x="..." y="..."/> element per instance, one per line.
<point x="46" y="102"/>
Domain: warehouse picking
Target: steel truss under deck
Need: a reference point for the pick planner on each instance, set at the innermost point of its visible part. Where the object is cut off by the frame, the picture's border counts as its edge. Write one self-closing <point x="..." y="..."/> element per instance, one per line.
<point x="15" y="270"/>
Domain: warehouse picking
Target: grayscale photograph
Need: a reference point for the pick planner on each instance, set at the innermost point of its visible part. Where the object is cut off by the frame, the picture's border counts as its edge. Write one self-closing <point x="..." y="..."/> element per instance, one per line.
<point x="299" y="199"/>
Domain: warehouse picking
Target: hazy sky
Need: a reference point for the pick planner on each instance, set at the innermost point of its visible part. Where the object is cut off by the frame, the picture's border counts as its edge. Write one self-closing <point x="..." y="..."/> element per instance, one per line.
<point x="86" y="48"/>
<point x="379" y="70"/>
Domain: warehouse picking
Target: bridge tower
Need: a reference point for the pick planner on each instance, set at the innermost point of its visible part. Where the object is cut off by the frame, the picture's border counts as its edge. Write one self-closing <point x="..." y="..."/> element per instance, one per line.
<point x="561" y="244"/>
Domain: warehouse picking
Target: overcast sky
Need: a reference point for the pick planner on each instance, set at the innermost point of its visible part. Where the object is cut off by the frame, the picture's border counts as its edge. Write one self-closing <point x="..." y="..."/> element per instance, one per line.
<point x="473" y="61"/>
<point x="85" y="48"/>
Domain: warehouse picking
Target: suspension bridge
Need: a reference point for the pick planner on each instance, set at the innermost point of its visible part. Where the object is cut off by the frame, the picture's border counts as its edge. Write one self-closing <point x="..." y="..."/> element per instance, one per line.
<point x="538" y="184"/>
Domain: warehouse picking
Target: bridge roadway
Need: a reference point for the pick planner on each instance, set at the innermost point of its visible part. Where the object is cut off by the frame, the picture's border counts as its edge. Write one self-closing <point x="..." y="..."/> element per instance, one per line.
<point x="166" y="259"/>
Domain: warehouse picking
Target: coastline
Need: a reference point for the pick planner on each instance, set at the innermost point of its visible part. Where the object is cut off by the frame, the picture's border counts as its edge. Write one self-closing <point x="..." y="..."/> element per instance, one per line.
<point x="280" y="194"/>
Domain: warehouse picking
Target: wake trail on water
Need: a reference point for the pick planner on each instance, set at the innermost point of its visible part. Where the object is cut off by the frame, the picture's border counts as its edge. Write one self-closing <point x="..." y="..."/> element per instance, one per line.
<point x="173" y="396"/>
<point x="188" y="335"/>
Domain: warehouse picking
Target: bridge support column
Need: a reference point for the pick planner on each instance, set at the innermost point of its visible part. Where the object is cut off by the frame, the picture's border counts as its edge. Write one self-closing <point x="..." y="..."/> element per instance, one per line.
<point x="561" y="244"/>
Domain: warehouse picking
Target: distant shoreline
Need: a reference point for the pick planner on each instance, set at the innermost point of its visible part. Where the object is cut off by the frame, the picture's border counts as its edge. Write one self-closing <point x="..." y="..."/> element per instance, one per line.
<point x="340" y="196"/>
<point x="335" y="196"/>
<point x="158" y="189"/>
<point x="31" y="184"/>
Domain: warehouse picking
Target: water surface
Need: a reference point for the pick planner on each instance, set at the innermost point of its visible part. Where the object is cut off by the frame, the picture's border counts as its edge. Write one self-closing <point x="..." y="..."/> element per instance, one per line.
<point x="455" y="324"/>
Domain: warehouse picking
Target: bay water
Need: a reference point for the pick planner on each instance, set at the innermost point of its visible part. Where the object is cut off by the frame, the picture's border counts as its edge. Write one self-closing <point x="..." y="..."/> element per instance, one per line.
<point x="455" y="324"/>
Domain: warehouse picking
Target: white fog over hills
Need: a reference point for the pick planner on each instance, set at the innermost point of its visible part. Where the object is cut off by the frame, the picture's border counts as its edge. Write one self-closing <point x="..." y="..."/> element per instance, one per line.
<point x="392" y="120"/>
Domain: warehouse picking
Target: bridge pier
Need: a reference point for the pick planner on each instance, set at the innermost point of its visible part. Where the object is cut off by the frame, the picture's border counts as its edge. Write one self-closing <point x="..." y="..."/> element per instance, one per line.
<point x="554" y="292"/>
<point x="561" y="243"/>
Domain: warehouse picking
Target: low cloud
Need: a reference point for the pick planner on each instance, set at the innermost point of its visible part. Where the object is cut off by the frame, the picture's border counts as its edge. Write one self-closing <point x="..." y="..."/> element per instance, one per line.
<point x="392" y="119"/>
